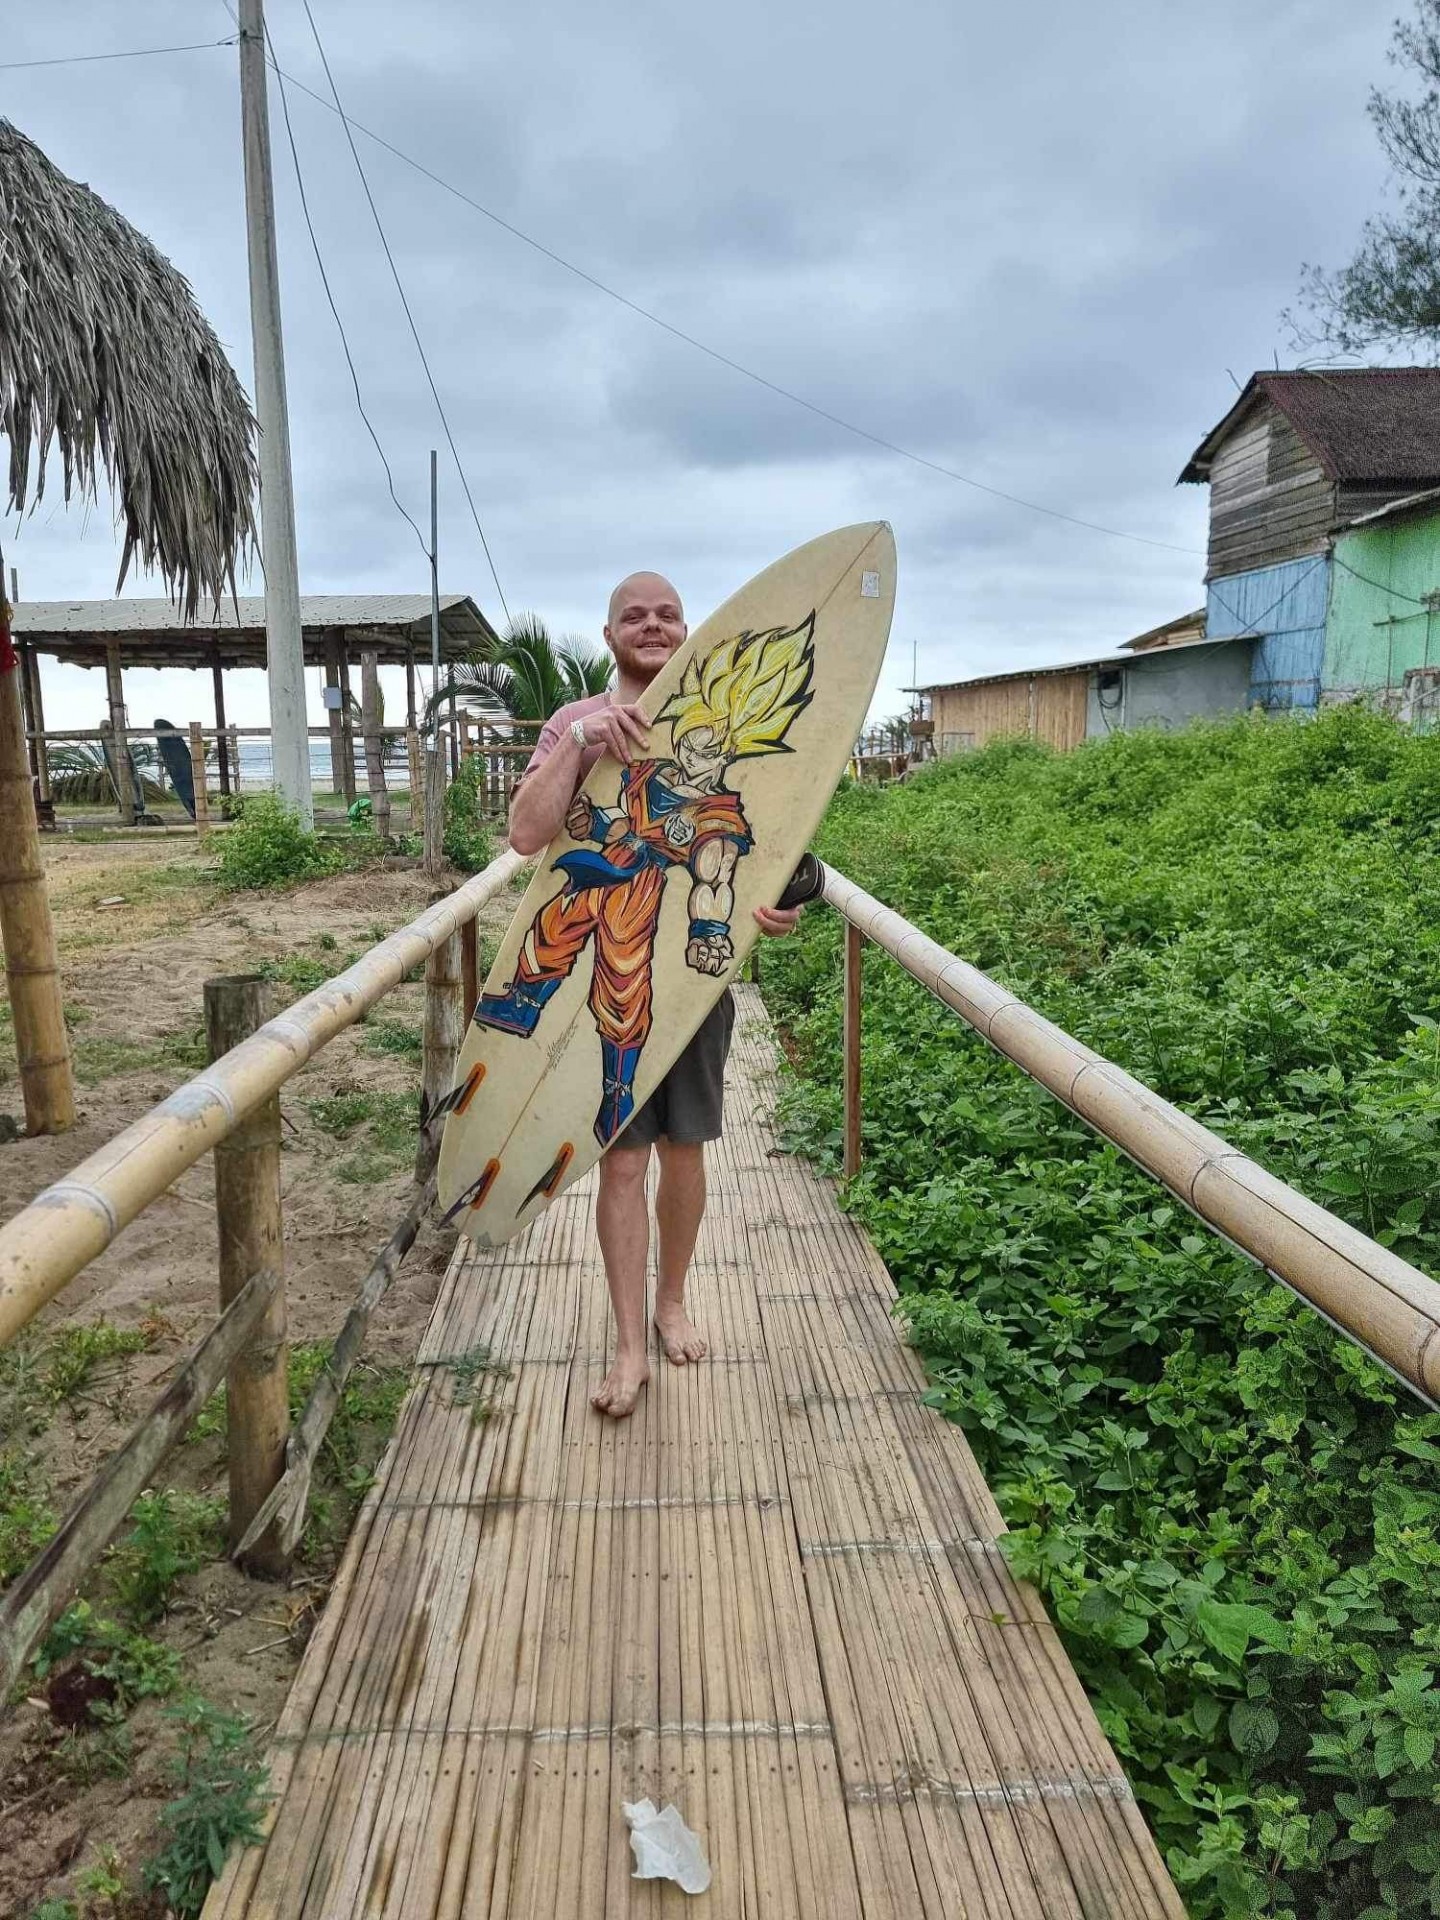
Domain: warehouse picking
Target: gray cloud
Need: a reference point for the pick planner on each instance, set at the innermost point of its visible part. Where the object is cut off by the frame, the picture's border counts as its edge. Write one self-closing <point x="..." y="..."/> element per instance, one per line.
<point x="1026" y="244"/>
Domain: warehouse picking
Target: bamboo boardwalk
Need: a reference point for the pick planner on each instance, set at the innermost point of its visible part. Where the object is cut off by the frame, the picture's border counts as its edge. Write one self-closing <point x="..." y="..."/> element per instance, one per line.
<point x="772" y="1596"/>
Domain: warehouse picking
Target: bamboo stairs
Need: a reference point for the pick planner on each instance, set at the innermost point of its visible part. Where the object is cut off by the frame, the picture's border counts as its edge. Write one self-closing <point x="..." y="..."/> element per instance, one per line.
<point x="773" y="1596"/>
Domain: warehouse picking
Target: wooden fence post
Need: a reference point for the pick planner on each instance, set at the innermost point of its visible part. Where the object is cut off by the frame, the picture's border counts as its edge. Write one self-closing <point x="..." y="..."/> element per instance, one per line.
<point x="435" y="808"/>
<point x="444" y="1028"/>
<point x="854" y="963"/>
<point x="197" y="776"/>
<point x="374" y="744"/>
<point x="27" y="930"/>
<point x="247" y="1206"/>
<point x="469" y="971"/>
<point x="416" y="763"/>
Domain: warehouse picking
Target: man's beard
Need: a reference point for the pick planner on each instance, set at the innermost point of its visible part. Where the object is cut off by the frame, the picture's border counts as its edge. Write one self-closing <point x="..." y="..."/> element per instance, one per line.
<point x="628" y="661"/>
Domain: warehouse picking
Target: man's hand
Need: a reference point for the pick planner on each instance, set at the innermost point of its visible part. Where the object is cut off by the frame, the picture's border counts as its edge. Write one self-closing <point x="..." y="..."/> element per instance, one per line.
<point x="711" y="954"/>
<point x="778" y="921"/>
<point x="622" y="731"/>
<point x="580" y="820"/>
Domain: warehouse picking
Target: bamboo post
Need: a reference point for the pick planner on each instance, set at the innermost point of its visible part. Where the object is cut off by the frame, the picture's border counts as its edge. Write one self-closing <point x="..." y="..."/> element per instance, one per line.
<point x="27" y="932"/>
<point x="410" y="720"/>
<point x="435" y="809"/>
<point x="232" y="733"/>
<point x="469" y="970"/>
<point x="854" y="973"/>
<point x="197" y="776"/>
<point x="119" y="738"/>
<point x="247" y="1208"/>
<point x="444" y="1027"/>
<point x="217" y="679"/>
<point x="374" y="745"/>
<point x="416" y="762"/>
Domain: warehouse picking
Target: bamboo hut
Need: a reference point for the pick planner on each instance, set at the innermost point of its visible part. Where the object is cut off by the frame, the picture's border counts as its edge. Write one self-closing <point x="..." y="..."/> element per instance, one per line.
<point x="105" y="358"/>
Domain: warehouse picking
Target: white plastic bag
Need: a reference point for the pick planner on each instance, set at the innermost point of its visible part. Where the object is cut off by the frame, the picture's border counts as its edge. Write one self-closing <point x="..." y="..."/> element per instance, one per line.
<point x="664" y="1847"/>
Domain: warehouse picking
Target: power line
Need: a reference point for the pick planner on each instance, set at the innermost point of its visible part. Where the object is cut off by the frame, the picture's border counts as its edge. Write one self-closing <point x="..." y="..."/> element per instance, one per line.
<point x="713" y="353"/>
<point x="1255" y="629"/>
<point x="1380" y="587"/>
<point x="127" y="53"/>
<point x="611" y="293"/>
<point x="400" y="289"/>
<point x="335" y="311"/>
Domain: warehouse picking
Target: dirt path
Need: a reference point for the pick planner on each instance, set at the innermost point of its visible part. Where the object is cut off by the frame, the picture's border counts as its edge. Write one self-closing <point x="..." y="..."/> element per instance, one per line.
<point x="140" y="929"/>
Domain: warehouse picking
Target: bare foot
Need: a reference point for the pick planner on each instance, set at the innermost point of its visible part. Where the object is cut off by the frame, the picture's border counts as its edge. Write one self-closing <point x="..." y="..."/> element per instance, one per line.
<point x="620" y="1389"/>
<point x="678" y="1336"/>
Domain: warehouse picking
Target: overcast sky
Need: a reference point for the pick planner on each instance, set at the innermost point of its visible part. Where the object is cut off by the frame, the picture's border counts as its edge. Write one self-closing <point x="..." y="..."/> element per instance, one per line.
<point x="1031" y="243"/>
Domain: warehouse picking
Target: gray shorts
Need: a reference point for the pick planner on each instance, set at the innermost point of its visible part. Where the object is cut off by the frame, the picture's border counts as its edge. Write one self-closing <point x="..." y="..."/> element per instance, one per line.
<point x="687" y="1106"/>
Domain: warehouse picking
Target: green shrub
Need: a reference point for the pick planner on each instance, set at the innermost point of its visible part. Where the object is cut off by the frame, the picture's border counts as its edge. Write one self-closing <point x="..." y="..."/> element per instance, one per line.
<point x="138" y="1668"/>
<point x="221" y="1801"/>
<point x="1232" y="1512"/>
<point x="171" y="1534"/>
<point x="466" y="841"/>
<point x="268" y="847"/>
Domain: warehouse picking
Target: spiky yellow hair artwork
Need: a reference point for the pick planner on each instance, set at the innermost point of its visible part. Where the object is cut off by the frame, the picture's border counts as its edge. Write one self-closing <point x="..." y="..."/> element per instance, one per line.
<point x="748" y="690"/>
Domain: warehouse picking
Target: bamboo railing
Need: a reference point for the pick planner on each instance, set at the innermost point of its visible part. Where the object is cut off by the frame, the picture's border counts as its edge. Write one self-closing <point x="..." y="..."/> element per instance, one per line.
<point x="1380" y="1301"/>
<point x="231" y="1107"/>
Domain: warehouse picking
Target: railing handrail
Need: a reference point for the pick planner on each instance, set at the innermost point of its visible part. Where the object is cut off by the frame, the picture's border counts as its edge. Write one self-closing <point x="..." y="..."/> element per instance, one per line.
<point x="48" y="1242"/>
<point x="1380" y="1301"/>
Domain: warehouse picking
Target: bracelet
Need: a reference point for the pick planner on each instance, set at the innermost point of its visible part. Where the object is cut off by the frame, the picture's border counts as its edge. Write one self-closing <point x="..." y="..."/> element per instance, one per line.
<point x="708" y="929"/>
<point x="577" y="734"/>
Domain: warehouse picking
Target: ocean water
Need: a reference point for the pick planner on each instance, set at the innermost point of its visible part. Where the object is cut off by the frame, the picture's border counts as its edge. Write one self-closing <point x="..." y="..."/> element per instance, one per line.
<point x="257" y="771"/>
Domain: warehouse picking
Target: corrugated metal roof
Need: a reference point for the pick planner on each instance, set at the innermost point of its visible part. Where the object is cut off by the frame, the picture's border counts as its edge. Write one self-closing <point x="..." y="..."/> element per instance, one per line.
<point x="151" y="632"/>
<point x="1412" y="503"/>
<point x="1363" y="424"/>
<point x="1081" y="666"/>
<point x="319" y="610"/>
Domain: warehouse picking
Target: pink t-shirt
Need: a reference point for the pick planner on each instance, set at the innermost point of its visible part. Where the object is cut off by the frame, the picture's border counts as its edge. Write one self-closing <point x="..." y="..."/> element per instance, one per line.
<point x="558" y="724"/>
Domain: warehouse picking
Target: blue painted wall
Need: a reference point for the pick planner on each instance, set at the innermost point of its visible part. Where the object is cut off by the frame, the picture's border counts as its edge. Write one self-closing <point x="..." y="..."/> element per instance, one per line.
<point x="1285" y="606"/>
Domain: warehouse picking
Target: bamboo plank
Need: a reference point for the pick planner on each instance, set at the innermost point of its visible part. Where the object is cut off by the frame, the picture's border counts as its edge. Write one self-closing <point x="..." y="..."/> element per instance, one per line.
<point x="773" y="1595"/>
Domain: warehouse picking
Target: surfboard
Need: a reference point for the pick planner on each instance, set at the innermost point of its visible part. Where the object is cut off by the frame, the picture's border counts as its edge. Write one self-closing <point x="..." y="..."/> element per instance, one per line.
<point x="175" y="753"/>
<point x="632" y="928"/>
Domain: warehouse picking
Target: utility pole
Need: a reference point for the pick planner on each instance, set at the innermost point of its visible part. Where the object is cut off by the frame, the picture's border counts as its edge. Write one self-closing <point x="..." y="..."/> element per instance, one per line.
<point x="289" y="736"/>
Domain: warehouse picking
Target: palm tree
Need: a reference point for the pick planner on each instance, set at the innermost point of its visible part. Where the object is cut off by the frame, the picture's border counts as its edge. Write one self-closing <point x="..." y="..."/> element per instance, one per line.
<point x="525" y="674"/>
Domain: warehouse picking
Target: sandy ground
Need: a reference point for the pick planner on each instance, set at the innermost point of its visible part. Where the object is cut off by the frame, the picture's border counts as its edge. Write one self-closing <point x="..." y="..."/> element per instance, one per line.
<point x="133" y="973"/>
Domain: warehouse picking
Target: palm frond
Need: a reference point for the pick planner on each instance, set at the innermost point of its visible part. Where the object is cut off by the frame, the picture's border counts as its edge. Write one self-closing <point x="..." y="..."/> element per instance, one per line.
<point x="105" y="354"/>
<point x="525" y="674"/>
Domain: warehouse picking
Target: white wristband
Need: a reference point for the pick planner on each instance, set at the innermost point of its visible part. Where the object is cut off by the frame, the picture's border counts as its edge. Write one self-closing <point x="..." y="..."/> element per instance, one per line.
<point x="577" y="734"/>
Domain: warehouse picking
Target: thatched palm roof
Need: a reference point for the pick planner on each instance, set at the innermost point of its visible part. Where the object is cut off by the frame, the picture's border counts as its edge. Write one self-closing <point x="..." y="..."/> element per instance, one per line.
<point x="105" y="353"/>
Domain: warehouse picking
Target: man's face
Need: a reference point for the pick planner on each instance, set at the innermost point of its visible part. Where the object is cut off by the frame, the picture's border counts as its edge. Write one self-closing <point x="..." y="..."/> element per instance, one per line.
<point x="646" y="625"/>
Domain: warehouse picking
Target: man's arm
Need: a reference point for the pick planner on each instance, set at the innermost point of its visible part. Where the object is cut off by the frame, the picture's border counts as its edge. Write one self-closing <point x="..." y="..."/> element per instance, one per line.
<point x="542" y="800"/>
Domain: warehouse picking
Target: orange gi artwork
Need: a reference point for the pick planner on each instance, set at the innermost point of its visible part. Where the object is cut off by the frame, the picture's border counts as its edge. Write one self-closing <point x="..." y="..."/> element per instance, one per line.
<point x="737" y="702"/>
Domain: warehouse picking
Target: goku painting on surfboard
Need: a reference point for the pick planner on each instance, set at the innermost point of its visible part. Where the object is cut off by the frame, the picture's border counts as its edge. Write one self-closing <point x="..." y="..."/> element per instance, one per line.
<point x="641" y="911"/>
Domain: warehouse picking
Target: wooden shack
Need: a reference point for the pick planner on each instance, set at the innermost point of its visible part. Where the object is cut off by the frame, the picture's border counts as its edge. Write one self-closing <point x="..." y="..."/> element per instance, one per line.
<point x="1297" y="457"/>
<point x="336" y="629"/>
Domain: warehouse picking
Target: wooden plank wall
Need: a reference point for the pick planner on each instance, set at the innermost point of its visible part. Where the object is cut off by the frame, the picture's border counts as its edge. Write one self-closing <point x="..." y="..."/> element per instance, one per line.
<point x="1270" y="499"/>
<point x="1049" y="706"/>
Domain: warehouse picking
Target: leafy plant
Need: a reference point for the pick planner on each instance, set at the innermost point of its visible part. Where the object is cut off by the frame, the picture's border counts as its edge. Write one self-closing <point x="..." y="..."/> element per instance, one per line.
<point x="171" y="1534"/>
<point x="526" y="673"/>
<point x="1232" y="1512"/>
<point x="466" y="841"/>
<point x="268" y="847"/>
<point x="221" y="1802"/>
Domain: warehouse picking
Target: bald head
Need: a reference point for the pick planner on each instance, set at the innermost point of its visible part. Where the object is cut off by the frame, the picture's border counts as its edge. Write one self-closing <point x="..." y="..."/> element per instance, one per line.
<point x="645" y="626"/>
<point x="644" y="588"/>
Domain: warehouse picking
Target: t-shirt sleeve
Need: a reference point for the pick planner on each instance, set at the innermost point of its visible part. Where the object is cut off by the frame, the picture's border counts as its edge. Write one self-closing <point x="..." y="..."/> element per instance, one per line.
<point x="544" y="746"/>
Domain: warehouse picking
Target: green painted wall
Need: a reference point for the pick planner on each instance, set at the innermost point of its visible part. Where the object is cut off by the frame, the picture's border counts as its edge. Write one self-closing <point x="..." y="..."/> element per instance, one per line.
<point x="1377" y="627"/>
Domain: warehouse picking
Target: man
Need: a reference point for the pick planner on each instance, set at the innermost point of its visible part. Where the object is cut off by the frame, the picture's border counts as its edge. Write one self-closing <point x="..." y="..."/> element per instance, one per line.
<point x="646" y="624"/>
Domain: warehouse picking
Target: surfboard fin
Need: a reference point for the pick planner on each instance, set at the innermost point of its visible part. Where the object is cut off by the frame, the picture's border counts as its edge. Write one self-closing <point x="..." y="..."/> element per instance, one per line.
<point x="544" y="1187"/>
<point x="474" y="1196"/>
